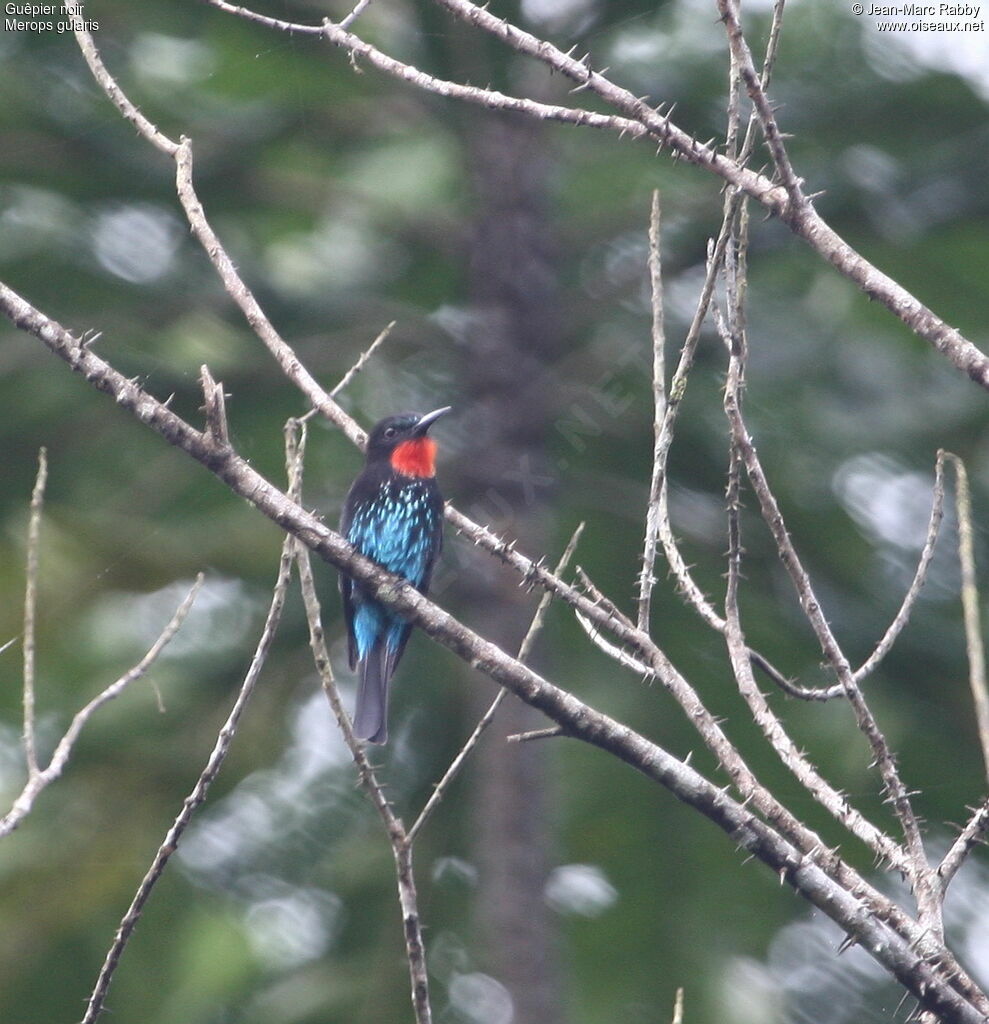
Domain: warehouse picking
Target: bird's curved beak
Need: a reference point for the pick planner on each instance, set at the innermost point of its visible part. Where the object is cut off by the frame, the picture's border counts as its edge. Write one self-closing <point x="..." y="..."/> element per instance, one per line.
<point x="425" y="422"/>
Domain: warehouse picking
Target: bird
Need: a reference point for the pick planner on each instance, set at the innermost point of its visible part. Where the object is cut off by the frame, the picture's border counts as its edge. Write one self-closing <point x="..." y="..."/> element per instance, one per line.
<point x="393" y="514"/>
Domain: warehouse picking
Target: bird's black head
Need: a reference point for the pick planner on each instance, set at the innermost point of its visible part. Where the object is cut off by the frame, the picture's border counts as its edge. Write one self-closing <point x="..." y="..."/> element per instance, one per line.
<point x="393" y="431"/>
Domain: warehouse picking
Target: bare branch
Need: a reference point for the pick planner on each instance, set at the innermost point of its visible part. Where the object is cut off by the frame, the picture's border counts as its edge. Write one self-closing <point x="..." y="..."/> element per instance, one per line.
<point x="686" y="585"/>
<point x="415" y="948"/>
<point x="535" y="627"/>
<point x="144" y="127"/>
<point x="40" y="779"/>
<point x="902" y="616"/>
<point x="488" y="717"/>
<point x="535" y="734"/>
<point x="198" y="794"/>
<point x="924" y="886"/>
<point x="970" y="604"/>
<point x="215" y="408"/>
<point x="364" y="356"/>
<point x="321" y="656"/>
<point x="975" y="830"/>
<point x="658" y="481"/>
<point x="919" y="578"/>
<point x="804" y="862"/>
<point x="971" y="835"/>
<point x="224" y="738"/>
<point x="713" y="736"/>
<point x="359" y="8"/>
<point x="733" y="332"/>
<point x="491" y="98"/>
<point x="803" y="220"/>
<point x="742" y="58"/>
<point x="401" y="842"/>
<point x="602" y="602"/>
<point x="244" y="298"/>
<point x="31" y="610"/>
<point x="660" y="126"/>
<point x="619" y="654"/>
<point x="733" y="204"/>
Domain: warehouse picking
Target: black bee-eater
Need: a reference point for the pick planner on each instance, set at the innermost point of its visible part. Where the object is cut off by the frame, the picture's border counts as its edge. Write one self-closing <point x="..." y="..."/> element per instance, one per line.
<point x="394" y="515"/>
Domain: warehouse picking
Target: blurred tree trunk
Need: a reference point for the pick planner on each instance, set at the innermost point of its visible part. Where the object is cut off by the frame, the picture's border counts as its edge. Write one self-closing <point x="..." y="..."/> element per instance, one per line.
<point x="511" y="342"/>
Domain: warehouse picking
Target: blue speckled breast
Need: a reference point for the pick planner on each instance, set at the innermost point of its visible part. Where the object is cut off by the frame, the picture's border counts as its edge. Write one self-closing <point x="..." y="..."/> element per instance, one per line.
<point x="397" y="528"/>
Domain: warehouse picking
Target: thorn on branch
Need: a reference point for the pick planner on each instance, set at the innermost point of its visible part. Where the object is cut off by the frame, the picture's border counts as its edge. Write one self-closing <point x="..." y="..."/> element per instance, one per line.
<point x="535" y="734"/>
<point x="215" y="409"/>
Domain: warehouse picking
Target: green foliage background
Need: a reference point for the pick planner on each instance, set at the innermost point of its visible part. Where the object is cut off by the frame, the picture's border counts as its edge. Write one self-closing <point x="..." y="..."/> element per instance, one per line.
<point x="343" y="199"/>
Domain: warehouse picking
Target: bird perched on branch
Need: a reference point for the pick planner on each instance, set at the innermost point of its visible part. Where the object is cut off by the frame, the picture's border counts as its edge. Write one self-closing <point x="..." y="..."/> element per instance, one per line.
<point x="394" y="515"/>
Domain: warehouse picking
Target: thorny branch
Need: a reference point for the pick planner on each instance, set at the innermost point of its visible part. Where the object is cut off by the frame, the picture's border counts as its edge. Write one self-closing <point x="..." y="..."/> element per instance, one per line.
<point x="899" y="620"/>
<point x="744" y="453"/>
<point x="785" y="845"/>
<point x="638" y="119"/>
<point x="975" y="830"/>
<point x="362" y="360"/>
<point x="916" y="584"/>
<point x="754" y="84"/>
<point x="673" y="397"/>
<point x="780" y="841"/>
<point x="924" y="882"/>
<point x="970" y="604"/>
<point x="292" y="367"/>
<point x="324" y="403"/>
<point x="401" y="840"/>
<point x="918" y="868"/>
<point x="40" y="778"/>
<point x="971" y="835"/>
<point x="196" y="797"/>
<point x="31" y="608"/>
<point x="733" y="334"/>
<point x="658" y="482"/>
<point x="525" y="649"/>
<point x="771" y="833"/>
<point x="214" y="398"/>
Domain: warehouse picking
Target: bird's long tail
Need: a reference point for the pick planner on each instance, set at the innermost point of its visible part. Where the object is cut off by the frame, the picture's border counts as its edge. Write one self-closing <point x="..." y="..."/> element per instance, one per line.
<point x="371" y="713"/>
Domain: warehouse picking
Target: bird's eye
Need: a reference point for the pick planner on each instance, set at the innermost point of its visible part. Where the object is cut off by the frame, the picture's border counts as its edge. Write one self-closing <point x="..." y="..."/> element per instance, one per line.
<point x="390" y="432"/>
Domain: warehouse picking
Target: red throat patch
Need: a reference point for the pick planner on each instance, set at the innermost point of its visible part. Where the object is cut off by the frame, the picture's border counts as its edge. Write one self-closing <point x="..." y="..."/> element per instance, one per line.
<point x="415" y="458"/>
